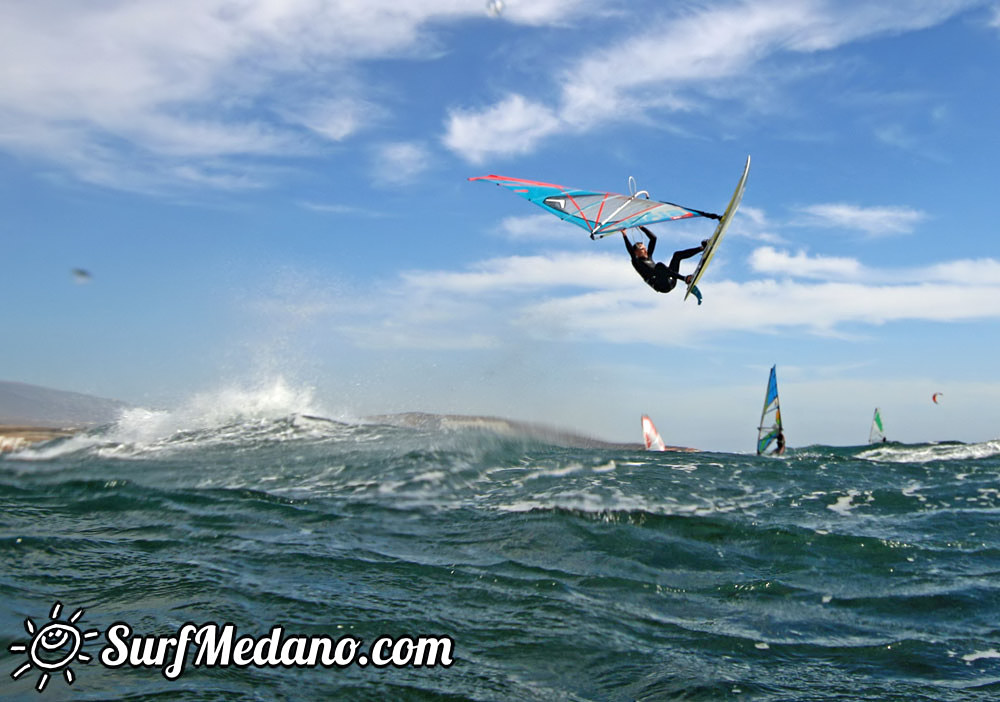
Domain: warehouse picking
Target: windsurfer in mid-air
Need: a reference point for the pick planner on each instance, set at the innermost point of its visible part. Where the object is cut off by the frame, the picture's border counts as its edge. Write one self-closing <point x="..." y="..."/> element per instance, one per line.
<point x="659" y="276"/>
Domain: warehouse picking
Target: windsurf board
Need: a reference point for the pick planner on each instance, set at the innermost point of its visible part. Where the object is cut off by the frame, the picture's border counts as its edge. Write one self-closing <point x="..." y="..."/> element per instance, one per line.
<point x="720" y="231"/>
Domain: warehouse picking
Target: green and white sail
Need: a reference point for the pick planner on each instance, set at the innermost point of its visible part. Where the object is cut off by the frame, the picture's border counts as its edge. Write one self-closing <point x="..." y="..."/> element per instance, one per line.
<point x="876" y="434"/>
<point x="770" y="419"/>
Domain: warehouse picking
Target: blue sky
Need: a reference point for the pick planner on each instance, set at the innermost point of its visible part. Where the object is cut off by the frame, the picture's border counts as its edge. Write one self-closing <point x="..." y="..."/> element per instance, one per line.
<point x="271" y="197"/>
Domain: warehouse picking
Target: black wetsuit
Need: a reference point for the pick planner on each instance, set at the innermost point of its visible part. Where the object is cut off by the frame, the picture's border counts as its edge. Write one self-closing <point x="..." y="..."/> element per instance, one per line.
<point x="659" y="276"/>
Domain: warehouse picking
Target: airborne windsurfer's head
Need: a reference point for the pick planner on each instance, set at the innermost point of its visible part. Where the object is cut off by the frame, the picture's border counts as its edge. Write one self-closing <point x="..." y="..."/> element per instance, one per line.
<point x="640" y="250"/>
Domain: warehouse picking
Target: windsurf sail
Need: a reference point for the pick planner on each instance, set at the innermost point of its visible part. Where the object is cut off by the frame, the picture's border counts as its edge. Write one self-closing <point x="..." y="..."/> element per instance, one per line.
<point x="876" y="434"/>
<point x="654" y="442"/>
<point x="770" y="421"/>
<point x="600" y="213"/>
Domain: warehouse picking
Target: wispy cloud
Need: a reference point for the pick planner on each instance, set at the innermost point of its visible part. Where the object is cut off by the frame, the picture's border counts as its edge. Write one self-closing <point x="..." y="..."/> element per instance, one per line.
<point x="338" y="118"/>
<point x="772" y="262"/>
<point x="684" y="57"/>
<point x="338" y="208"/>
<point x="399" y="163"/>
<point x="874" y="221"/>
<point x="752" y="223"/>
<point x="542" y="228"/>
<point x="517" y="274"/>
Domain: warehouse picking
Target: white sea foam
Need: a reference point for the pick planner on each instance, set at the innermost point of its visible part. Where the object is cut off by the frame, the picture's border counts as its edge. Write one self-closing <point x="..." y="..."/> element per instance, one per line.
<point x="844" y="503"/>
<point x="980" y="655"/>
<point x="561" y="472"/>
<point x="932" y="452"/>
<point x="51" y="450"/>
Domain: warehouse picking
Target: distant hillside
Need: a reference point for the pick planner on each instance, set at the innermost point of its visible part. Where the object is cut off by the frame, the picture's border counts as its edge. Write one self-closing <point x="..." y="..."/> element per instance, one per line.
<point x="32" y="405"/>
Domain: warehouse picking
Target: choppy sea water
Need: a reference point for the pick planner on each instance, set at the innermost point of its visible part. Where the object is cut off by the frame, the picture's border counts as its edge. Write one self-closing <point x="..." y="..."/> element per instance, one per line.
<point x="559" y="573"/>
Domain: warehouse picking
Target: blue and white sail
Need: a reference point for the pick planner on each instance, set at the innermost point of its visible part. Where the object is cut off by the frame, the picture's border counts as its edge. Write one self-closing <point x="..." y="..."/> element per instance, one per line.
<point x="770" y="427"/>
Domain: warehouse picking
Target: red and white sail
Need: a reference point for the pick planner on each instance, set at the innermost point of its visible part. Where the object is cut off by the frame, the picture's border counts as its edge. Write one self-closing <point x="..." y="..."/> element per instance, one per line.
<point x="654" y="442"/>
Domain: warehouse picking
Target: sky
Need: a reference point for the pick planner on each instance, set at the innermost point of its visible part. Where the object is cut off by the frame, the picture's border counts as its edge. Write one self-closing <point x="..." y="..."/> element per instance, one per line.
<point x="271" y="198"/>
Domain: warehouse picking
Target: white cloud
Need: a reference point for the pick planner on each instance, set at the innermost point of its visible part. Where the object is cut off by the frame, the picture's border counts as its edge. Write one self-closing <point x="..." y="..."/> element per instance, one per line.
<point x="517" y="274"/>
<point x="983" y="271"/>
<point x="874" y="221"/>
<point x="540" y="228"/>
<point x="513" y="126"/>
<point x="752" y="223"/>
<point x="546" y="12"/>
<point x="598" y="297"/>
<point x="400" y="162"/>
<point x="964" y="272"/>
<point x="768" y="260"/>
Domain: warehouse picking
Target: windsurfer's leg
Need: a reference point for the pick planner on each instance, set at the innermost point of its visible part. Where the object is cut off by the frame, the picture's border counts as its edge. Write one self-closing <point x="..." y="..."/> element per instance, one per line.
<point x="675" y="262"/>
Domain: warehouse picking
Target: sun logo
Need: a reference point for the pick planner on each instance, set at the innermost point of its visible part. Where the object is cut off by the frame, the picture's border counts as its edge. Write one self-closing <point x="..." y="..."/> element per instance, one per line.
<point x="53" y="647"/>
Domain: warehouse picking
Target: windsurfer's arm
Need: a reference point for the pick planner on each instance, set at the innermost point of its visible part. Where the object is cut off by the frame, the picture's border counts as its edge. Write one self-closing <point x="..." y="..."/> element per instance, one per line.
<point x="628" y="244"/>
<point x="652" y="240"/>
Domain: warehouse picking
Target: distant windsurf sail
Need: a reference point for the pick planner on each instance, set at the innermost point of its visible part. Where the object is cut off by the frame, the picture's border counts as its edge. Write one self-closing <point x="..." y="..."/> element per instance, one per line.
<point x="877" y="433"/>
<point x="600" y="213"/>
<point x="654" y="442"/>
<point x="770" y="421"/>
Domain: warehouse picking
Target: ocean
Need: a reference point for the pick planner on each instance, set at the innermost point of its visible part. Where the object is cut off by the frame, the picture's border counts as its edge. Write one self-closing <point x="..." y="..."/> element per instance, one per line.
<point x="542" y="572"/>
